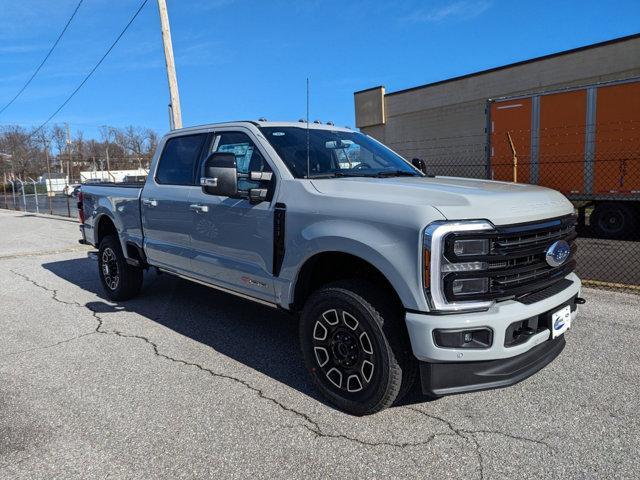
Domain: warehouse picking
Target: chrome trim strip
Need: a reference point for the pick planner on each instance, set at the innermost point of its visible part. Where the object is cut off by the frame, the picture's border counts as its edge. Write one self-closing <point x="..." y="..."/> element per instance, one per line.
<point x="222" y="289"/>
<point x="434" y="240"/>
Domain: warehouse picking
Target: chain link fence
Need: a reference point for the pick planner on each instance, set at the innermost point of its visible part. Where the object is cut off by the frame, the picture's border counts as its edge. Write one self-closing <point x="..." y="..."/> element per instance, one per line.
<point x="36" y="200"/>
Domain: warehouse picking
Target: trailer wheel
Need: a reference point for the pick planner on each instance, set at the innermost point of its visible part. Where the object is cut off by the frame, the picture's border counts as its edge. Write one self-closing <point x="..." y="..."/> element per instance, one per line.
<point x="613" y="220"/>
<point x="120" y="280"/>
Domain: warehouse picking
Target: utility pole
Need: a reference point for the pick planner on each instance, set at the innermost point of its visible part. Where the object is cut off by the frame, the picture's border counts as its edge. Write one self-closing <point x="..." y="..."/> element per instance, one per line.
<point x="69" y="153"/>
<point x="50" y="190"/>
<point x="176" y="114"/>
<point x="68" y="170"/>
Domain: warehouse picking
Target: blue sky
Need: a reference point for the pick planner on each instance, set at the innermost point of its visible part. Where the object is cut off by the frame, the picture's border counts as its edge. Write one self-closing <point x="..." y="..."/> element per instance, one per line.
<point x="244" y="59"/>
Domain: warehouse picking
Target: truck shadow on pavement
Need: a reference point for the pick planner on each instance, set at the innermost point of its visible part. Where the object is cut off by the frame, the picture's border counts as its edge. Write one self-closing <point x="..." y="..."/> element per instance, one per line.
<point x="259" y="337"/>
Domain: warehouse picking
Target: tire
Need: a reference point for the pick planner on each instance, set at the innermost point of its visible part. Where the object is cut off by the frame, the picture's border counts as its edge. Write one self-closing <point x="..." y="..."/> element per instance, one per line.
<point x="613" y="220"/>
<point x="356" y="348"/>
<point x="120" y="280"/>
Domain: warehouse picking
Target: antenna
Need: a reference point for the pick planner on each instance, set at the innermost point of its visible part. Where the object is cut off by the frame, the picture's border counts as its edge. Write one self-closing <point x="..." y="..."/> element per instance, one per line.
<point x="308" y="169"/>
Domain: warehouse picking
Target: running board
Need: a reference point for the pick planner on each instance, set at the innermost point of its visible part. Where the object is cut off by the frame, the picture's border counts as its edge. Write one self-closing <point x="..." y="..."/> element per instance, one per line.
<point x="221" y="289"/>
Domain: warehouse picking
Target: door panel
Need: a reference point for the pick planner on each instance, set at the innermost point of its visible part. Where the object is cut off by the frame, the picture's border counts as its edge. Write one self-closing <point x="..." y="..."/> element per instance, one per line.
<point x="232" y="239"/>
<point x="233" y="244"/>
<point x="165" y="202"/>
<point x="166" y="219"/>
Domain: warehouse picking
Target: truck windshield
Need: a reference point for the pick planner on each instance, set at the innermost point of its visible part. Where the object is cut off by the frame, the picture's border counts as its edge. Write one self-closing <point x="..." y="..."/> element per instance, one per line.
<point x="333" y="153"/>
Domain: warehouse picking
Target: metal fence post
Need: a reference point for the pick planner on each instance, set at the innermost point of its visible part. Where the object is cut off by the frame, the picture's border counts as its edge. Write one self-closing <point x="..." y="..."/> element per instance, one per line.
<point x="13" y="191"/>
<point x="24" y="195"/>
<point x="35" y="193"/>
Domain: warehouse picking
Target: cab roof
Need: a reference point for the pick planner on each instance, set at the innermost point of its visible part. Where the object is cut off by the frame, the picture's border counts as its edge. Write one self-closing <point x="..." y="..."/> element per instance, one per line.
<point x="261" y="123"/>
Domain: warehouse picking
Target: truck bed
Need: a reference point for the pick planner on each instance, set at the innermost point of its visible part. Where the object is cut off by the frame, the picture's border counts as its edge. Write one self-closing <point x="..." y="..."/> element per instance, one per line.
<point x="118" y="201"/>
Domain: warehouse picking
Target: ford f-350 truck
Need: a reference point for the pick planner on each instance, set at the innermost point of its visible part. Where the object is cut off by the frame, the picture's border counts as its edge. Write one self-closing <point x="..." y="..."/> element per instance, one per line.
<point x="393" y="274"/>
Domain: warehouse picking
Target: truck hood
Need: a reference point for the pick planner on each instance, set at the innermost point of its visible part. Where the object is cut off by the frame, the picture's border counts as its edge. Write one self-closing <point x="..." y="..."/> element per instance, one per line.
<point x="501" y="203"/>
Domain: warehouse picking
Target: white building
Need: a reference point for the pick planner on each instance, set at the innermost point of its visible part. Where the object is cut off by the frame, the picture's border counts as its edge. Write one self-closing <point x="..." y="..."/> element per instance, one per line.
<point x="57" y="184"/>
<point x="111" y="176"/>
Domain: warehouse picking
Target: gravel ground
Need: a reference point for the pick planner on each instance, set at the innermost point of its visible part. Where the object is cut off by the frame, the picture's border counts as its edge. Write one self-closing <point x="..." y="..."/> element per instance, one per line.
<point x="186" y="382"/>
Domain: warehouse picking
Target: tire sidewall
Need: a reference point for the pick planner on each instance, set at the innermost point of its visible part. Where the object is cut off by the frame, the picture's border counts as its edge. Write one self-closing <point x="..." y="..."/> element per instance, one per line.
<point x="378" y="388"/>
<point x="114" y="245"/>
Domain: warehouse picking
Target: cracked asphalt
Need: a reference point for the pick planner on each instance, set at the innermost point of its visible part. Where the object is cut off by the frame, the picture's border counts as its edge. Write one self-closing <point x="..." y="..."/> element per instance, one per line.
<point x="186" y="382"/>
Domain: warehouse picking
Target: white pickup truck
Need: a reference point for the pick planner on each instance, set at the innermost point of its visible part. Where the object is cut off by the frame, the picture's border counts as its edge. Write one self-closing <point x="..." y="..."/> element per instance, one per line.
<point x="394" y="275"/>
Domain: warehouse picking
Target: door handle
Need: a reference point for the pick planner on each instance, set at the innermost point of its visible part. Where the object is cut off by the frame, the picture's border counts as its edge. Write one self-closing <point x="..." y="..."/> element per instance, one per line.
<point x="199" y="208"/>
<point x="150" y="202"/>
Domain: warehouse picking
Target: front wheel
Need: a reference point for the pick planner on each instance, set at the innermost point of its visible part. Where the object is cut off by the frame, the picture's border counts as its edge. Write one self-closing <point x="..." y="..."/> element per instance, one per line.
<point x="120" y="280"/>
<point x="355" y="347"/>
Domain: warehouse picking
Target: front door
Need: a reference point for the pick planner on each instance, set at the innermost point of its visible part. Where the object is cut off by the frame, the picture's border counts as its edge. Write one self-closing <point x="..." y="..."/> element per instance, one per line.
<point x="166" y="213"/>
<point x="232" y="239"/>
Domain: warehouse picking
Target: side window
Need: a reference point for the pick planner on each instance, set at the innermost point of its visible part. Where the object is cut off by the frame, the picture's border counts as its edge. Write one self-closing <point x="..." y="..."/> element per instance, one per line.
<point x="248" y="157"/>
<point x="179" y="159"/>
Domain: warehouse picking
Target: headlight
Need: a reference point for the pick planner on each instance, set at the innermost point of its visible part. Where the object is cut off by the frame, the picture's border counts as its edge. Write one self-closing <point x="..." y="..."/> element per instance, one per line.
<point x="466" y="248"/>
<point x="437" y="266"/>
<point x="470" y="286"/>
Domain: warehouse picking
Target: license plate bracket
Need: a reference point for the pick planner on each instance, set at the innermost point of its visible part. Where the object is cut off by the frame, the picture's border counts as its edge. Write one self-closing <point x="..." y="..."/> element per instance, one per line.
<point x="560" y="321"/>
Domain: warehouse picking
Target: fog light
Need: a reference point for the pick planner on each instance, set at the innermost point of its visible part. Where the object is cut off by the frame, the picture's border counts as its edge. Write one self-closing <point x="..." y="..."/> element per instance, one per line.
<point x="450" y="338"/>
<point x="470" y="286"/>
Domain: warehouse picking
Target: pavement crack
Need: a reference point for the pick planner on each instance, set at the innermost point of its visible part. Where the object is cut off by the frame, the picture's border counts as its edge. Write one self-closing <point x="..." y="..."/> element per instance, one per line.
<point x="309" y="423"/>
<point x="462" y="431"/>
<point x="61" y="342"/>
<point x="52" y="291"/>
<point x="472" y="436"/>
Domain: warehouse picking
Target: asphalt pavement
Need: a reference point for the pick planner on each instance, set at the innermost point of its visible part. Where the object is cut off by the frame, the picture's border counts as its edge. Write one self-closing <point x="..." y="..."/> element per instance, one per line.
<point x="187" y="382"/>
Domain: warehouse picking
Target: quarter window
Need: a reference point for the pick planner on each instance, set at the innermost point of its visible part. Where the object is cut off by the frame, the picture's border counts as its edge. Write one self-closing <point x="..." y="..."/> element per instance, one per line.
<point x="179" y="159"/>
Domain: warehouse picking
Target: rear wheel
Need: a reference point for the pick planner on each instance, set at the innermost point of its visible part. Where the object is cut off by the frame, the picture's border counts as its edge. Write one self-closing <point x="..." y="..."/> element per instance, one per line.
<point x="120" y="280"/>
<point x="613" y="220"/>
<point x="355" y="347"/>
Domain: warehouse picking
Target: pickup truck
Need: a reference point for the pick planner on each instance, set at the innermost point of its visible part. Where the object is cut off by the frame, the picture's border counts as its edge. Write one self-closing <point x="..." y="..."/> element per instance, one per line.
<point x="392" y="274"/>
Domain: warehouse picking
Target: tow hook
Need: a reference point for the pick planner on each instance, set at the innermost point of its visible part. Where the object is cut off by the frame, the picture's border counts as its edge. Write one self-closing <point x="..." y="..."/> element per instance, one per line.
<point x="528" y="331"/>
<point x="580" y="301"/>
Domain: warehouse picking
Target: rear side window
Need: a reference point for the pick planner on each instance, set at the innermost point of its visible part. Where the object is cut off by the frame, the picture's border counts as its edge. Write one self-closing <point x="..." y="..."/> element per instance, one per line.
<point x="179" y="159"/>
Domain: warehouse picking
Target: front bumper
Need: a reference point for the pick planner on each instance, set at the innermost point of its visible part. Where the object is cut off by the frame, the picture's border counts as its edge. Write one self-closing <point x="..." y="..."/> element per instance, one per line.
<point x="508" y="362"/>
<point x="458" y="377"/>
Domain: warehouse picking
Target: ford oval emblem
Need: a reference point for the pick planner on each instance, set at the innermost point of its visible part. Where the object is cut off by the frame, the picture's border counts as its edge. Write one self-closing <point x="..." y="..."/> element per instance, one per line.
<point x="558" y="253"/>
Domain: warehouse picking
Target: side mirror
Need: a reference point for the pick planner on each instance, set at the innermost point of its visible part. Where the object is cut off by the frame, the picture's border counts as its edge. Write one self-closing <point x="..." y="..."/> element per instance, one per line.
<point x="419" y="164"/>
<point x="220" y="175"/>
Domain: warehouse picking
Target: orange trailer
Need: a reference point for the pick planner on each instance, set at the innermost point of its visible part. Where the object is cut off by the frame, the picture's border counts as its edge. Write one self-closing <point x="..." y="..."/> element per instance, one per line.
<point x="582" y="141"/>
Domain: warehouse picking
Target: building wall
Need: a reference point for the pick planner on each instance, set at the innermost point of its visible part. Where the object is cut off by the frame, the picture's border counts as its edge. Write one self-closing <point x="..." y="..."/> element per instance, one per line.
<point x="445" y="123"/>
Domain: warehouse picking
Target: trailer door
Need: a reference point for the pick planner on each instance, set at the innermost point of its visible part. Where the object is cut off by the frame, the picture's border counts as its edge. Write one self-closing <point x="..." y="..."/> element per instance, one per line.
<point x="617" y="145"/>
<point x="511" y="119"/>
<point x="561" y="141"/>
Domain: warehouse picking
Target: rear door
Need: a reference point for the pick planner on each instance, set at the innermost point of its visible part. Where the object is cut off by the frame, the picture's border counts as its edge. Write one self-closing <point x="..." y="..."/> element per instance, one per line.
<point x="511" y="130"/>
<point x="165" y="201"/>
<point x="232" y="239"/>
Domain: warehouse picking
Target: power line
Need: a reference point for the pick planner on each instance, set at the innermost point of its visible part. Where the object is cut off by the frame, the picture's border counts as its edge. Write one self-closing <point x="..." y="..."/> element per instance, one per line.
<point x="55" y="44"/>
<point x="92" y="70"/>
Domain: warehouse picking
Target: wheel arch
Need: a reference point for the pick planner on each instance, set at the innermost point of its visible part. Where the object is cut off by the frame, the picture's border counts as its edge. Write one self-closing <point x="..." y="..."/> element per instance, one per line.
<point x="329" y="266"/>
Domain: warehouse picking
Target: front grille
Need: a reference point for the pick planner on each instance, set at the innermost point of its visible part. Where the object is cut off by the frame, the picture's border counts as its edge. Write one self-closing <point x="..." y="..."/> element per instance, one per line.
<point x="516" y="263"/>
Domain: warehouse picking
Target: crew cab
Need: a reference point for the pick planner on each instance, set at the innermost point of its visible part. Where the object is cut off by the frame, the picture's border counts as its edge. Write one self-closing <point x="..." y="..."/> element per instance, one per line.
<point x="393" y="274"/>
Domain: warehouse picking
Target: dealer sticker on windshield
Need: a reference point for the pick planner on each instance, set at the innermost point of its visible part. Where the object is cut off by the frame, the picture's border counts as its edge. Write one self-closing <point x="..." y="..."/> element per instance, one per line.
<point x="560" y="321"/>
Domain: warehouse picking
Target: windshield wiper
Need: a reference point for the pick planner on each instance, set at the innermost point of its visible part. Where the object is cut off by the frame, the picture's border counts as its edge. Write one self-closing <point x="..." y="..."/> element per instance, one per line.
<point x="338" y="175"/>
<point x="395" y="173"/>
